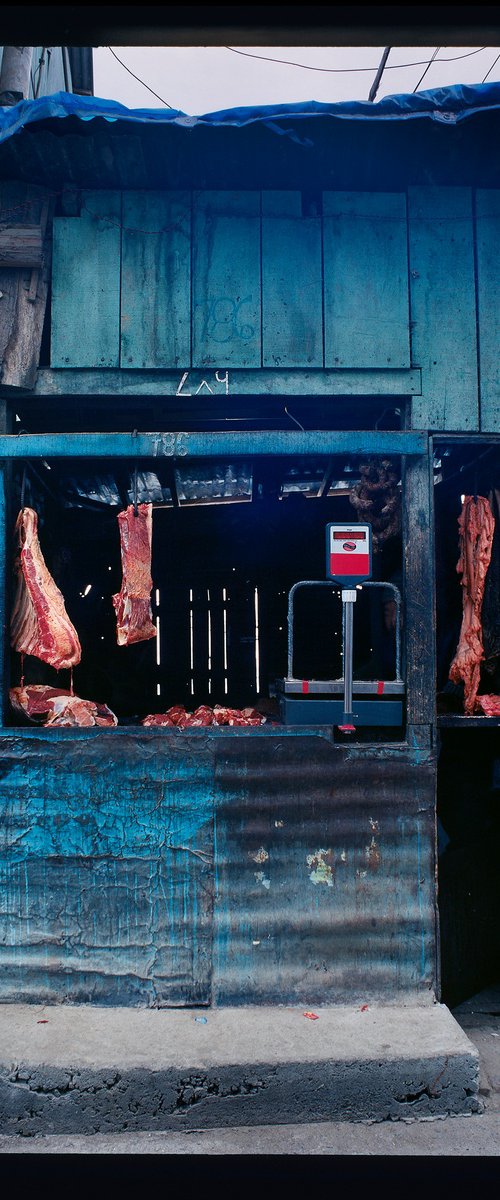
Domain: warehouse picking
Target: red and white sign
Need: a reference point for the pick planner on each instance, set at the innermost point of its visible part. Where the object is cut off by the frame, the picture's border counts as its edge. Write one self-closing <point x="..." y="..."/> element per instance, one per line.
<point x="348" y="552"/>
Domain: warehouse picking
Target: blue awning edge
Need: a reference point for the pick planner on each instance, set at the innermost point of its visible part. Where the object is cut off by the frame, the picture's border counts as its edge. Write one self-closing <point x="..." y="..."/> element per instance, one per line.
<point x="447" y="105"/>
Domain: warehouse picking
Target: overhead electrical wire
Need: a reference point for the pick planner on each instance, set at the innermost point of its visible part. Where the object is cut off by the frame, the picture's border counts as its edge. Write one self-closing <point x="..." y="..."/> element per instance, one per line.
<point x="431" y="60"/>
<point x="489" y="72"/>
<point x="351" y="70"/>
<point x="122" y="64"/>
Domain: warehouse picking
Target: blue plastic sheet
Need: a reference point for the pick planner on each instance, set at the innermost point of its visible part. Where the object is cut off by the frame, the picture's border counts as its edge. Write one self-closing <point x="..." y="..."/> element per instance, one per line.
<point x="447" y="105"/>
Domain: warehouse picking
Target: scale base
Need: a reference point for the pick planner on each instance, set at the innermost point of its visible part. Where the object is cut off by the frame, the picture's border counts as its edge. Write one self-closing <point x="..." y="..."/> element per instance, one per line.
<point x="331" y="712"/>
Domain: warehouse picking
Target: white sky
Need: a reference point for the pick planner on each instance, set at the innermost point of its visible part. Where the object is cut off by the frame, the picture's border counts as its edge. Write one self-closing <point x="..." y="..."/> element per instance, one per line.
<point x="201" y="79"/>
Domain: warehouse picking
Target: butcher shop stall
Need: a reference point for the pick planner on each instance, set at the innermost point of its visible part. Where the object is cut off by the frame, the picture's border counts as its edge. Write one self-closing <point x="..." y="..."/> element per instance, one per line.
<point x="210" y="715"/>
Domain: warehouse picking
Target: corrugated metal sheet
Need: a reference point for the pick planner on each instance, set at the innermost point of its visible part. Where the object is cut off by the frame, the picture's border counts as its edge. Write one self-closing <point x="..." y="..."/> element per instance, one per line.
<point x="321" y="863"/>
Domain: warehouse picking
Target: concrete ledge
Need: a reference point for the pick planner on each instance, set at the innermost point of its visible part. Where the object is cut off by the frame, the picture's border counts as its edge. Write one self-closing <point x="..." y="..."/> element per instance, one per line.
<point x="82" y="1069"/>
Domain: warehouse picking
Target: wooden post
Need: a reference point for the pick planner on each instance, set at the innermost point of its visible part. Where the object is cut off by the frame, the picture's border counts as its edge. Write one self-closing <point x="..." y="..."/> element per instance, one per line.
<point x="15" y="74"/>
<point x="418" y="545"/>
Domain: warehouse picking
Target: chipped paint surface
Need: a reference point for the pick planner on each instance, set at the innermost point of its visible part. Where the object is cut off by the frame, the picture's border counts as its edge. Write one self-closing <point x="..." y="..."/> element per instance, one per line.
<point x="261" y="878"/>
<point x="372" y="855"/>
<point x="374" y="825"/>
<point x="322" y="867"/>
<point x="260" y="856"/>
<point x="279" y="824"/>
<point x="343" y="856"/>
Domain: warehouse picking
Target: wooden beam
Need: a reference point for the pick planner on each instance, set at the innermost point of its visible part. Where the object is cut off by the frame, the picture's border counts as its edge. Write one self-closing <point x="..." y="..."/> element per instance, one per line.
<point x="208" y="382"/>
<point x="20" y="245"/>
<point x="203" y="445"/>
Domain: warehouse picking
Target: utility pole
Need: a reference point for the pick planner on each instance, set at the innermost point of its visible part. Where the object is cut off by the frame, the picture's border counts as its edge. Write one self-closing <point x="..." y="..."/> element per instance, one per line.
<point x="376" y="81"/>
<point x="15" y="74"/>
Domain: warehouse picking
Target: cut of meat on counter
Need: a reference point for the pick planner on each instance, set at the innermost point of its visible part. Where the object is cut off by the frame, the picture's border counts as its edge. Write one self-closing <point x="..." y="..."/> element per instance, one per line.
<point x="40" y="624"/>
<point x="177" y="717"/>
<point x="133" y="602"/>
<point x="476" y="528"/>
<point x="52" y="706"/>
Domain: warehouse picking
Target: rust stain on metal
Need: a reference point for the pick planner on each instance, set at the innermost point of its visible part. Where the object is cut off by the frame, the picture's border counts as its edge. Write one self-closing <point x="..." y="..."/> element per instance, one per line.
<point x="322" y="867"/>
<point x="260" y="856"/>
<point x="372" y="854"/>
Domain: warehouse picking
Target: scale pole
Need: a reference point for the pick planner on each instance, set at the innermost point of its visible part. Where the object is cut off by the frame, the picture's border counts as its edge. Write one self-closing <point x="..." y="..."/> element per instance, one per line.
<point x="348" y="600"/>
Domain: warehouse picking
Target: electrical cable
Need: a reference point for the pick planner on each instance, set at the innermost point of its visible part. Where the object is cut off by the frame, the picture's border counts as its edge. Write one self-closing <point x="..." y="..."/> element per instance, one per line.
<point x="491" y="68"/>
<point x="431" y="60"/>
<point x="122" y="64"/>
<point x="351" y="70"/>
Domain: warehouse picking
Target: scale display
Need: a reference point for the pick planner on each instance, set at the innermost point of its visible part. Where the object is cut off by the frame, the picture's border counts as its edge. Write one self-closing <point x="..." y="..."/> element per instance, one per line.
<point x="348" y="553"/>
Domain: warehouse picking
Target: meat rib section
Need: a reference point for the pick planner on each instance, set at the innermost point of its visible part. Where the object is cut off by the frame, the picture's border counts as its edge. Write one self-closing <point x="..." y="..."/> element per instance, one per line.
<point x="52" y="706"/>
<point x="133" y="602"/>
<point x="476" y="528"/>
<point x="40" y="624"/>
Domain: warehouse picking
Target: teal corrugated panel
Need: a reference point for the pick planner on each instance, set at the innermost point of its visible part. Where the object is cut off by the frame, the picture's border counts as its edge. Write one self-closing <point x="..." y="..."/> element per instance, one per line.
<point x="226" y="279"/>
<point x="443" y="307"/>
<point x="156" y="279"/>
<point x="366" y="280"/>
<point x="86" y="284"/>
<point x="488" y="298"/>
<point x="292" y="303"/>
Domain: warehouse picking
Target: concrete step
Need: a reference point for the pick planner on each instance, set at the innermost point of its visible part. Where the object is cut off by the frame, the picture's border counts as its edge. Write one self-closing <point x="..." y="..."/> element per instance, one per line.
<point x="83" y="1069"/>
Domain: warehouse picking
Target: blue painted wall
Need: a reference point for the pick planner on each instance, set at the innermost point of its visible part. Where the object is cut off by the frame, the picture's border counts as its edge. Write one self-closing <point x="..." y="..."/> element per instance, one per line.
<point x="156" y="868"/>
<point x="256" y="280"/>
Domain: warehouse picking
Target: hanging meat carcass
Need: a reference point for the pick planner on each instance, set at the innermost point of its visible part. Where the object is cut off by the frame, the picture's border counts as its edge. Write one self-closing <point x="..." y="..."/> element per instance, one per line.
<point x="476" y="528"/>
<point x="40" y="624"/>
<point x="133" y="602"/>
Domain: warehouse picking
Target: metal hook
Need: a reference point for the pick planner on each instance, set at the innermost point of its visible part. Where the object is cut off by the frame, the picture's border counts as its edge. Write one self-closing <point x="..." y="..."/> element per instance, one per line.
<point x="23" y="488"/>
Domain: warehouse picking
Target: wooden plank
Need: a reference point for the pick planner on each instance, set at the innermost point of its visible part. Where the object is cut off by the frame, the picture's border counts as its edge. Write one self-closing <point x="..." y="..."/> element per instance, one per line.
<point x="365" y="279"/>
<point x="156" y="280"/>
<point x="292" y="302"/>
<point x="227" y="383"/>
<point x="201" y="445"/>
<point x="20" y="245"/>
<point x="443" y="310"/>
<point x="22" y="309"/>
<point x="226" y="279"/>
<point x="488" y="302"/>
<point x="419" y="593"/>
<point x="86" y="284"/>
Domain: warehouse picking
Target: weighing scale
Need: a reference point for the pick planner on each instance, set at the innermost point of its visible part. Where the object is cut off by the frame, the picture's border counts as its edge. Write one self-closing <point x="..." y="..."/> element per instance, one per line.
<point x="313" y="701"/>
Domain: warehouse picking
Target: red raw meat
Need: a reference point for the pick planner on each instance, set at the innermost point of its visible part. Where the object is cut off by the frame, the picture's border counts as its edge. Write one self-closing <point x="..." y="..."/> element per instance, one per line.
<point x="476" y="528"/>
<point x="133" y="602"/>
<point x="490" y="705"/>
<point x="204" y="716"/>
<point x="54" y="706"/>
<point x="40" y="624"/>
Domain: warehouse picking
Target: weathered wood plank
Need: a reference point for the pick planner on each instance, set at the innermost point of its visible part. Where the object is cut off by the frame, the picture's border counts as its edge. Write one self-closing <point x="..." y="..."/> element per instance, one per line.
<point x="443" y="310"/>
<point x="292" y="303"/>
<point x="230" y="383"/>
<point x="22" y="308"/>
<point x="226" y="279"/>
<point x="365" y="279"/>
<point x="86" y="284"/>
<point x="419" y="591"/>
<point x="20" y="245"/>
<point x="200" y="445"/>
<point x="156" y="279"/>
<point x="488" y="302"/>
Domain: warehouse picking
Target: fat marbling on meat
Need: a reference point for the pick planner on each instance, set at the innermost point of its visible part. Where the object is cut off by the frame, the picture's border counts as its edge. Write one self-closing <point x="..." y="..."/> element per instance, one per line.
<point x="40" y="624"/>
<point x="133" y="602"/>
<point x="476" y="527"/>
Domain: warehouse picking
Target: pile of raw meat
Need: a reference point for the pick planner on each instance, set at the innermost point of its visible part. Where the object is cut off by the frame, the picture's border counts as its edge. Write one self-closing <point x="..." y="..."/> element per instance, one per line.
<point x="204" y="715"/>
<point x="53" y="706"/>
<point x="476" y="531"/>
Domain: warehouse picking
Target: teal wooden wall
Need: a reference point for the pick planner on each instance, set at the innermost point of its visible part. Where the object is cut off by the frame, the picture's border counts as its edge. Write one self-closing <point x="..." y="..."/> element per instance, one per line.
<point x="251" y="280"/>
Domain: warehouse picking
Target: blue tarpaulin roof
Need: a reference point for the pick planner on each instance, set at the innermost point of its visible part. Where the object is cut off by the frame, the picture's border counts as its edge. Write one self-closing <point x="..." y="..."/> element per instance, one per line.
<point x="447" y="105"/>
